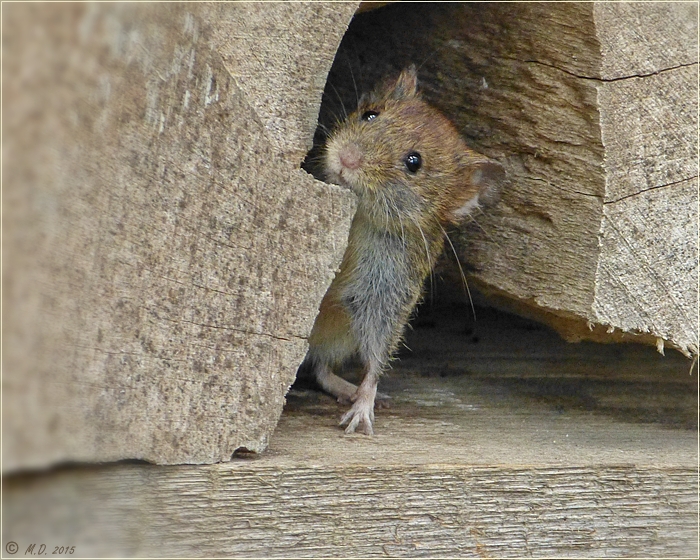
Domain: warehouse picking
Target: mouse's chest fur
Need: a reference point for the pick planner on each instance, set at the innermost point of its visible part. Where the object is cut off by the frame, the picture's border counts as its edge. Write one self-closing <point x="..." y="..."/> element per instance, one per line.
<point x="381" y="280"/>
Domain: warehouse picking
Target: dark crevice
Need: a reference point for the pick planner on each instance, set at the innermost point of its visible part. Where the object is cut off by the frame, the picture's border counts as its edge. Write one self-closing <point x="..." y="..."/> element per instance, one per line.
<point x="244" y="331"/>
<point x="651" y="189"/>
<point x="563" y="189"/>
<point x="604" y="80"/>
<point x="28" y="474"/>
<point x="244" y="453"/>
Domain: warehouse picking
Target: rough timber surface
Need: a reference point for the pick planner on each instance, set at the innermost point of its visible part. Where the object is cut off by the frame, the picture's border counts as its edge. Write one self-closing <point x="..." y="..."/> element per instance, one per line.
<point x="163" y="254"/>
<point x="592" y="109"/>
<point x="647" y="276"/>
<point x="505" y="442"/>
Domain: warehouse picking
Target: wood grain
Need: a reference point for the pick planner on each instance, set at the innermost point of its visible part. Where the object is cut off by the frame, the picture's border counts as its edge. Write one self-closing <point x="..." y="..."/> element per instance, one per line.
<point x="508" y="442"/>
<point x="433" y="511"/>
<point x="164" y="257"/>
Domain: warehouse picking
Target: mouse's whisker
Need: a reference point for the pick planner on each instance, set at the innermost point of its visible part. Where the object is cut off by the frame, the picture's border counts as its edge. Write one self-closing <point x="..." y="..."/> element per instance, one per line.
<point x="486" y="233"/>
<point x="431" y="55"/>
<point x="323" y="128"/>
<point x="403" y="231"/>
<point x="357" y="62"/>
<point x="404" y="241"/>
<point x="354" y="83"/>
<point x="465" y="284"/>
<point x="345" y="112"/>
<point x="427" y="254"/>
<point x="329" y="110"/>
<point x="386" y="207"/>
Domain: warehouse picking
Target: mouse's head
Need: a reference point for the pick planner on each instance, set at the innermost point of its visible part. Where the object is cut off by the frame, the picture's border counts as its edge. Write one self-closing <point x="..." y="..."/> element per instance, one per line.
<point x="406" y="162"/>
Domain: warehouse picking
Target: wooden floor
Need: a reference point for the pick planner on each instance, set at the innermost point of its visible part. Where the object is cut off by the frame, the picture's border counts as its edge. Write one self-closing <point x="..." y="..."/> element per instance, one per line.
<point x="500" y="440"/>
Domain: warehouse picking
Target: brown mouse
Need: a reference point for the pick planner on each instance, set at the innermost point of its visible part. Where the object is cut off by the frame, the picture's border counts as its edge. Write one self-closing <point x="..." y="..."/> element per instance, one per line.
<point x="412" y="174"/>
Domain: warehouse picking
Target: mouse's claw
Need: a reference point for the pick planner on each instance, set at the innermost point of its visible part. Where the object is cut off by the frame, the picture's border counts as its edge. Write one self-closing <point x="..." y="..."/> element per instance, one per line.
<point x="359" y="418"/>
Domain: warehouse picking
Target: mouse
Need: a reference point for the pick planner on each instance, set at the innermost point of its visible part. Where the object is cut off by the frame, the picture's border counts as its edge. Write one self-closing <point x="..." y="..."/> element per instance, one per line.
<point x="413" y="175"/>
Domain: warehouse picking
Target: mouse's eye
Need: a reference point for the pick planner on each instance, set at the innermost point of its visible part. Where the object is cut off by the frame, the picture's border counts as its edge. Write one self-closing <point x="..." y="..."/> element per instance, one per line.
<point x="413" y="162"/>
<point x="369" y="115"/>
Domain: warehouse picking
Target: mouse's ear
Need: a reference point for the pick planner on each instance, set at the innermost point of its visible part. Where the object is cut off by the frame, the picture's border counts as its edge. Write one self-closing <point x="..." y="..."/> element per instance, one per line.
<point x="401" y="88"/>
<point x="490" y="177"/>
<point x="485" y="178"/>
<point x="406" y="85"/>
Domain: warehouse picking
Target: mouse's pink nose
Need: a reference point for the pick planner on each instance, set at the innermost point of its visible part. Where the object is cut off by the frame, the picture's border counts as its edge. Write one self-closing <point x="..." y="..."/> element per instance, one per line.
<point x="350" y="156"/>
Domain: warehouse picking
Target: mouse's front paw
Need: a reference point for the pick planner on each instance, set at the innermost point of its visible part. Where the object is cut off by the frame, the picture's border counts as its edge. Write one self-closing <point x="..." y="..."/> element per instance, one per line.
<point x="359" y="418"/>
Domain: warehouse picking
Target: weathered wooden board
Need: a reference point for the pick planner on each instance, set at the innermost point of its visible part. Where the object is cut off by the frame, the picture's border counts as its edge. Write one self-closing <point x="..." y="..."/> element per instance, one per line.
<point x="592" y="109"/>
<point x="251" y="510"/>
<point x="505" y="442"/>
<point x="163" y="254"/>
<point x="647" y="275"/>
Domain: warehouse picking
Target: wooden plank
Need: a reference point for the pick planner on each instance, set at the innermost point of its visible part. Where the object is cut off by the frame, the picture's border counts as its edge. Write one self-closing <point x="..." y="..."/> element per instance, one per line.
<point x="163" y="255"/>
<point x="593" y="453"/>
<point x="350" y="511"/>
<point x="647" y="276"/>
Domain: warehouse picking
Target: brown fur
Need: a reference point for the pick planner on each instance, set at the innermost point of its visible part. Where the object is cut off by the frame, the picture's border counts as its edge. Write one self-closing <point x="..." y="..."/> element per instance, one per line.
<point x="397" y="233"/>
